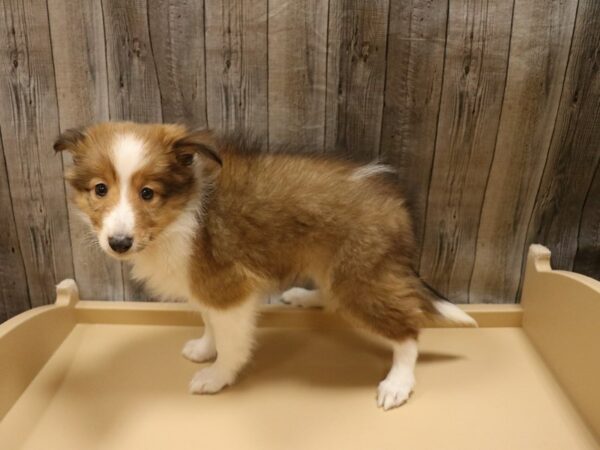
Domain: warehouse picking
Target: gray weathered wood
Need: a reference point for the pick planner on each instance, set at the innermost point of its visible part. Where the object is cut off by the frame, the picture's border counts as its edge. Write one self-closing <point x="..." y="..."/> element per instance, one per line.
<point x="236" y="65"/>
<point x="415" y="65"/>
<point x="474" y="78"/>
<point x="497" y="145"/>
<point x="177" y="40"/>
<point x="538" y="58"/>
<point x="297" y="60"/>
<point x="356" y="67"/>
<point x="14" y="294"/>
<point x="133" y="90"/>
<point x="587" y="258"/>
<point x="574" y="151"/>
<point x="81" y="81"/>
<point x="584" y="77"/>
<point x="29" y="123"/>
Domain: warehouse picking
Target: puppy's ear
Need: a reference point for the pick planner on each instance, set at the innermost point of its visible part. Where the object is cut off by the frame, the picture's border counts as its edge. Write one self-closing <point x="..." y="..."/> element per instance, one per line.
<point x="201" y="143"/>
<point x="69" y="140"/>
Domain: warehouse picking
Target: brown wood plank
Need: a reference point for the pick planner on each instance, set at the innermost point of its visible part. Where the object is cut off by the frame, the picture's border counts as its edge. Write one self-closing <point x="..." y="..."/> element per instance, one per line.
<point x="133" y="89"/>
<point x="474" y="78"/>
<point x="177" y="39"/>
<point x="356" y="67"/>
<point x="81" y="81"/>
<point x="587" y="258"/>
<point x="586" y="61"/>
<point x="29" y="123"/>
<point x="297" y="60"/>
<point x="574" y="153"/>
<point x="236" y="65"/>
<point x="14" y="295"/>
<point x="538" y="59"/>
<point x="415" y="65"/>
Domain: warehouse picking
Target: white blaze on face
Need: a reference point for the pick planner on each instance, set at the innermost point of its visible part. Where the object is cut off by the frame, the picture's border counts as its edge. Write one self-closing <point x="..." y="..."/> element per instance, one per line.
<point x="127" y="157"/>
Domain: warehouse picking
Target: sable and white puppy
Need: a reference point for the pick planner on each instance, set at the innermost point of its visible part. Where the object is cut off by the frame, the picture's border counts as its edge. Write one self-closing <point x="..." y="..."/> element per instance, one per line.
<point x="213" y="220"/>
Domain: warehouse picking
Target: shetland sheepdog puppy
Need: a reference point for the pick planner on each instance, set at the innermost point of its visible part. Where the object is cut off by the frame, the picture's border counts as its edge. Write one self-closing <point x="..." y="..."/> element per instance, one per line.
<point x="211" y="219"/>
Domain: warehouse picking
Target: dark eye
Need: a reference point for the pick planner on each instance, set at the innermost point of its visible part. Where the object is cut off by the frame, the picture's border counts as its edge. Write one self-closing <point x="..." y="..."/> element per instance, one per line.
<point x="101" y="189"/>
<point x="147" y="193"/>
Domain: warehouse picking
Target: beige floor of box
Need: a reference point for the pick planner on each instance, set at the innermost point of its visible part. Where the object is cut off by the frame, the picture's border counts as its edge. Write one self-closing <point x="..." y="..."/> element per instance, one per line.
<point x="115" y="380"/>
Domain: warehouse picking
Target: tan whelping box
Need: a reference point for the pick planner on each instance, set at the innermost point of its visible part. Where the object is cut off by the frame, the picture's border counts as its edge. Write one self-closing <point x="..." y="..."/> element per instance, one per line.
<point x="90" y="374"/>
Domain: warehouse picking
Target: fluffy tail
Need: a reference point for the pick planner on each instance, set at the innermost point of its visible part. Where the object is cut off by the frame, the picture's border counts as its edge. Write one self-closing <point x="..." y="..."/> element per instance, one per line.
<point x="451" y="313"/>
<point x="442" y="310"/>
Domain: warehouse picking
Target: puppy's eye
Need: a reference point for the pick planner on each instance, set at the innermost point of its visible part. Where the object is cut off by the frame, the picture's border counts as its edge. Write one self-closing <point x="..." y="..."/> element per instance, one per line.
<point x="101" y="189"/>
<point x="147" y="193"/>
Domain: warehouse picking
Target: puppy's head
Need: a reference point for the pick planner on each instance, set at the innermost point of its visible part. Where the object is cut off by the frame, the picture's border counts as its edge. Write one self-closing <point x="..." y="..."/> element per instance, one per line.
<point x="132" y="180"/>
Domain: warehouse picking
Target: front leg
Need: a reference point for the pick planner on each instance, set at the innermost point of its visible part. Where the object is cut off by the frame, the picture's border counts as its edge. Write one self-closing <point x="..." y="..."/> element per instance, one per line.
<point x="203" y="349"/>
<point x="233" y="331"/>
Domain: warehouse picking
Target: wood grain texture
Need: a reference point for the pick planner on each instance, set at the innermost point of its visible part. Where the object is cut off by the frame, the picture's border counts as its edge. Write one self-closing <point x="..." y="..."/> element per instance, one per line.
<point x="474" y="78"/>
<point x="587" y="258"/>
<point x="356" y="67"/>
<point x="297" y="60"/>
<point x="236" y="65"/>
<point x="584" y="81"/>
<point x="176" y="30"/>
<point x="133" y="89"/>
<point x="79" y="53"/>
<point x="538" y="59"/>
<point x="574" y="153"/>
<point x="29" y="124"/>
<point x="14" y="293"/>
<point x="492" y="128"/>
<point x="415" y="65"/>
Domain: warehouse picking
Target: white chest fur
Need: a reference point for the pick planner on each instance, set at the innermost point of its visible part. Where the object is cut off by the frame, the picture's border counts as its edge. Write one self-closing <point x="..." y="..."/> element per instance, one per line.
<point x="163" y="267"/>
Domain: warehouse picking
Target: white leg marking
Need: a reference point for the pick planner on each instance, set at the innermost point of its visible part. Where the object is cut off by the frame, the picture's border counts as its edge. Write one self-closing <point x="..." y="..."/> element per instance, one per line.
<point x="203" y="349"/>
<point x="233" y="330"/>
<point x="395" y="389"/>
<point x="306" y="298"/>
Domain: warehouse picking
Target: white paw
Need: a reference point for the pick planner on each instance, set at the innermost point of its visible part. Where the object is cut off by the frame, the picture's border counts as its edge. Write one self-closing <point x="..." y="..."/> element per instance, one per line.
<point x="394" y="392"/>
<point x="199" y="350"/>
<point x="300" y="297"/>
<point x="210" y="380"/>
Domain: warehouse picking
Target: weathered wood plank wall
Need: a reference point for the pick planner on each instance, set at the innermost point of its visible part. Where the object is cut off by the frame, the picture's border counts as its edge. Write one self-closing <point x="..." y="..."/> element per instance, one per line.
<point x="490" y="112"/>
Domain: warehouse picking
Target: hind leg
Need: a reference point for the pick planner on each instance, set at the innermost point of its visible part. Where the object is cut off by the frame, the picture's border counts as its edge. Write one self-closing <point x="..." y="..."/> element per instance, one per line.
<point x="305" y="298"/>
<point x="395" y="389"/>
<point x="387" y="304"/>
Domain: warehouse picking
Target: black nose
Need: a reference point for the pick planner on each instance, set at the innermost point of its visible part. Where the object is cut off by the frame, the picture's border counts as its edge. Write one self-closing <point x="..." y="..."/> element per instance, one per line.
<point x="120" y="243"/>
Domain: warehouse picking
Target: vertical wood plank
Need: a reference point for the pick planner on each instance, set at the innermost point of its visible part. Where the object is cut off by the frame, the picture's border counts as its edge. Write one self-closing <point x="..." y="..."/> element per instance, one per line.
<point x="538" y="58"/>
<point x="77" y="32"/>
<point x="574" y="151"/>
<point x="14" y="295"/>
<point x="236" y="65"/>
<point x="297" y="60"/>
<point x="177" y="39"/>
<point x="586" y="94"/>
<point x="28" y="119"/>
<point x="133" y="90"/>
<point x="474" y="79"/>
<point x="587" y="258"/>
<point x="356" y="67"/>
<point x="415" y="65"/>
